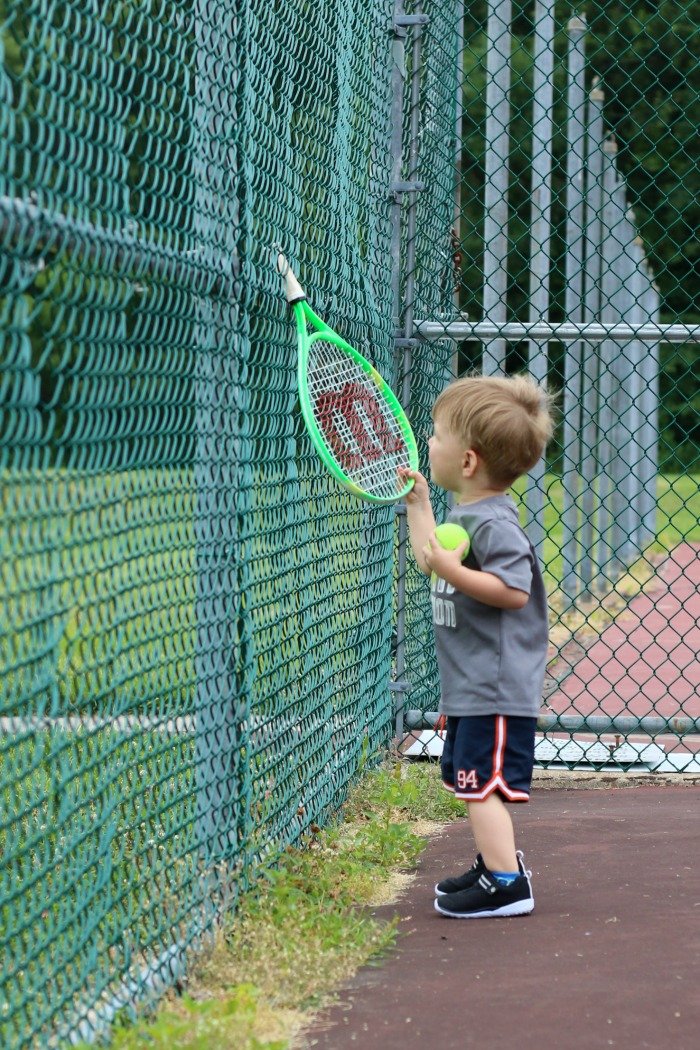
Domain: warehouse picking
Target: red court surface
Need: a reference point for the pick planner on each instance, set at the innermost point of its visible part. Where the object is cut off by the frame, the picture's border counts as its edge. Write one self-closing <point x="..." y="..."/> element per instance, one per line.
<point x="646" y="662"/>
<point x="609" y="958"/>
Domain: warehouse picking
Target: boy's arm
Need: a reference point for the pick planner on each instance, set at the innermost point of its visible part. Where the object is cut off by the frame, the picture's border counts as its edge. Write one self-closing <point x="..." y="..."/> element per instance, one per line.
<point x="484" y="587"/>
<point x="421" y="520"/>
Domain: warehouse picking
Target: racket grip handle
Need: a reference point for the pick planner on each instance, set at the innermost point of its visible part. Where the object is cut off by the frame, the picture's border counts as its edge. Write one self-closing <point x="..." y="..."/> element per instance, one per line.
<point x="293" y="290"/>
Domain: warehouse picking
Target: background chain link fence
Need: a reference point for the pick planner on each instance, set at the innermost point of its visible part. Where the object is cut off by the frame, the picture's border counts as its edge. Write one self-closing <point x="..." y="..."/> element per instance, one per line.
<point x="575" y="257"/>
<point x="202" y="639"/>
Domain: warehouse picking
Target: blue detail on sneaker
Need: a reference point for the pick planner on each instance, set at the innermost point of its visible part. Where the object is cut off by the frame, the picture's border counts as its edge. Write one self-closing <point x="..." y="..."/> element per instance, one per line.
<point x="505" y="877"/>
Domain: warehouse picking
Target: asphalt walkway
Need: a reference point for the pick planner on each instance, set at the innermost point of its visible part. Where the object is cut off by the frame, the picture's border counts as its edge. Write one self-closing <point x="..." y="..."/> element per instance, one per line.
<point x="609" y="958"/>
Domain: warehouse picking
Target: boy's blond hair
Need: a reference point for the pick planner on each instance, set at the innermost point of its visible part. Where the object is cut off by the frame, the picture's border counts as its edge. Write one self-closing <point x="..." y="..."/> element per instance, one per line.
<point x="506" y="420"/>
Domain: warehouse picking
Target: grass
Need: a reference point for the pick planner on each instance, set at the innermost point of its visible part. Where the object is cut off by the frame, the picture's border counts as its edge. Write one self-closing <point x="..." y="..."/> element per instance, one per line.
<point x="306" y="926"/>
<point x="678" y="515"/>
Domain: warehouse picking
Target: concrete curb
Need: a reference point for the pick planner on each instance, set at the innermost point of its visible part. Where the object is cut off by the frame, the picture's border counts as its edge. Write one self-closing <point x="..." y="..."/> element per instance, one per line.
<point x="576" y="779"/>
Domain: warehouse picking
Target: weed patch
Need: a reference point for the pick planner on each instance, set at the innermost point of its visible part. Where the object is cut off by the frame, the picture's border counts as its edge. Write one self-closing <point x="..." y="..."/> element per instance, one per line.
<point x="306" y="926"/>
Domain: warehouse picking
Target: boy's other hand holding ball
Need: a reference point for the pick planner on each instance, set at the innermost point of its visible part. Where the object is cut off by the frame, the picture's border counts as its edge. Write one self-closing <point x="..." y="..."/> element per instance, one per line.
<point x="446" y="549"/>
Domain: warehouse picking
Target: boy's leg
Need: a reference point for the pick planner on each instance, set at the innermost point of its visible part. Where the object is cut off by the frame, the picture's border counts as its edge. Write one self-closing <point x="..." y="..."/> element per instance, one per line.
<point x="491" y="760"/>
<point x="493" y="833"/>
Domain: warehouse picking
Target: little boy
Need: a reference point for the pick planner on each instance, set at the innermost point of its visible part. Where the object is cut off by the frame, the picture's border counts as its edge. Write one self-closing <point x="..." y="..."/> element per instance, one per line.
<point x="490" y="623"/>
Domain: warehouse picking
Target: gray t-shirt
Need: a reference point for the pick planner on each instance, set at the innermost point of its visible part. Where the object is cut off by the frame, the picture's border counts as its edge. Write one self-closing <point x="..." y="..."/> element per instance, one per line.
<point x="492" y="661"/>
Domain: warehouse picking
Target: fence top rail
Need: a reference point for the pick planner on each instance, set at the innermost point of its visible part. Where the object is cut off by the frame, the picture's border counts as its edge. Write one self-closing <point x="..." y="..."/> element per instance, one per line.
<point x="652" y="725"/>
<point x="564" y="332"/>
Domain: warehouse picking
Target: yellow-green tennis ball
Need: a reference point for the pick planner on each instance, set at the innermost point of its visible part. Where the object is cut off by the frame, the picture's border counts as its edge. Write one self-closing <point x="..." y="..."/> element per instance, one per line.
<point x="452" y="536"/>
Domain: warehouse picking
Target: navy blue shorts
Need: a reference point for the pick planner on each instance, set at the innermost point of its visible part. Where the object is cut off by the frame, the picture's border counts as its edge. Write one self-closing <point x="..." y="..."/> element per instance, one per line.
<point x="487" y="753"/>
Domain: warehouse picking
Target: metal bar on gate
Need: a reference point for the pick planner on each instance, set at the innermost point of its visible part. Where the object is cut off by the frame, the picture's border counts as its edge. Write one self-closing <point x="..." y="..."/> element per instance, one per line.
<point x="540" y="256"/>
<point x="591" y="331"/>
<point x="651" y="725"/>
<point x="496" y="165"/>
<point x="575" y="167"/>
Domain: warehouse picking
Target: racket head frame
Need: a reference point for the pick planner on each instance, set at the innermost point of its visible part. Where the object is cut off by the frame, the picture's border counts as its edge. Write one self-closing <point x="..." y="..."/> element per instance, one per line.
<point x="304" y="317"/>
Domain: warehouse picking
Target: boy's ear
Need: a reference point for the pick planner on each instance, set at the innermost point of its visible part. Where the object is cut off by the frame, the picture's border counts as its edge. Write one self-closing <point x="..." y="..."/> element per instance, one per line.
<point x="469" y="463"/>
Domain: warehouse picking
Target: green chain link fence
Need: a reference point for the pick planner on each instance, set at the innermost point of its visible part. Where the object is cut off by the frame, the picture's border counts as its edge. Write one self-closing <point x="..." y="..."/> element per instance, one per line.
<point x="202" y="640"/>
<point x="196" y="625"/>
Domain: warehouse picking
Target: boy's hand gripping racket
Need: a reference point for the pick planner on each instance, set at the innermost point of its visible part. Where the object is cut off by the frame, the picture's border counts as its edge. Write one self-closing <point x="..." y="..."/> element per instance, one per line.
<point x="355" y="421"/>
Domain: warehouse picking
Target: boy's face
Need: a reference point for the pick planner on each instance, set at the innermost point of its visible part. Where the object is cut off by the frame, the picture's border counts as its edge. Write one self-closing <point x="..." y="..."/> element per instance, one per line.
<point x="447" y="458"/>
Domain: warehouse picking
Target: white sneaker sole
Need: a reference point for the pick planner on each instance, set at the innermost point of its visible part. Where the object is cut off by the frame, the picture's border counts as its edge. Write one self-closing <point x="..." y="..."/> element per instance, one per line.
<point x="516" y="908"/>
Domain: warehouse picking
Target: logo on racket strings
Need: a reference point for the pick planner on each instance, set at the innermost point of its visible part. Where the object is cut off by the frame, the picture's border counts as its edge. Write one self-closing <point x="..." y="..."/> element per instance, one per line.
<point x="354" y="426"/>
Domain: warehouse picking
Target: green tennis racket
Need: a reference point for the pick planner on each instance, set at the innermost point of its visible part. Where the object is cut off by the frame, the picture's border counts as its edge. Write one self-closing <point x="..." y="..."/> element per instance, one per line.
<point x="354" y="419"/>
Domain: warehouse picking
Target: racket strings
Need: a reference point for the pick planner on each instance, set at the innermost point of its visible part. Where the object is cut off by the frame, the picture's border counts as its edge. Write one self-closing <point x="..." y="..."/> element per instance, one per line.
<point x="356" y="421"/>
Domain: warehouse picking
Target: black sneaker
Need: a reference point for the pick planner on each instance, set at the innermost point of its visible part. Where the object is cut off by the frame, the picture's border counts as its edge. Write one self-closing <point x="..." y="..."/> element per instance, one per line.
<point x="463" y="882"/>
<point x="488" y="898"/>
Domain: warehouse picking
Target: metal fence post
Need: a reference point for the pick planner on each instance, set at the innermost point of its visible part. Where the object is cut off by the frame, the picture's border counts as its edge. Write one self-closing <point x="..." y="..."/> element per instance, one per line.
<point x="622" y="432"/>
<point x="540" y="260"/>
<point x="220" y="702"/>
<point x="496" y="173"/>
<point x="610" y="387"/>
<point x="575" y="221"/>
<point x="398" y="80"/>
<point x="649" y="435"/>
<point x="459" y="111"/>
<point x="404" y="316"/>
<point x="593" y="192"/>
<point x="631" y="412"/>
